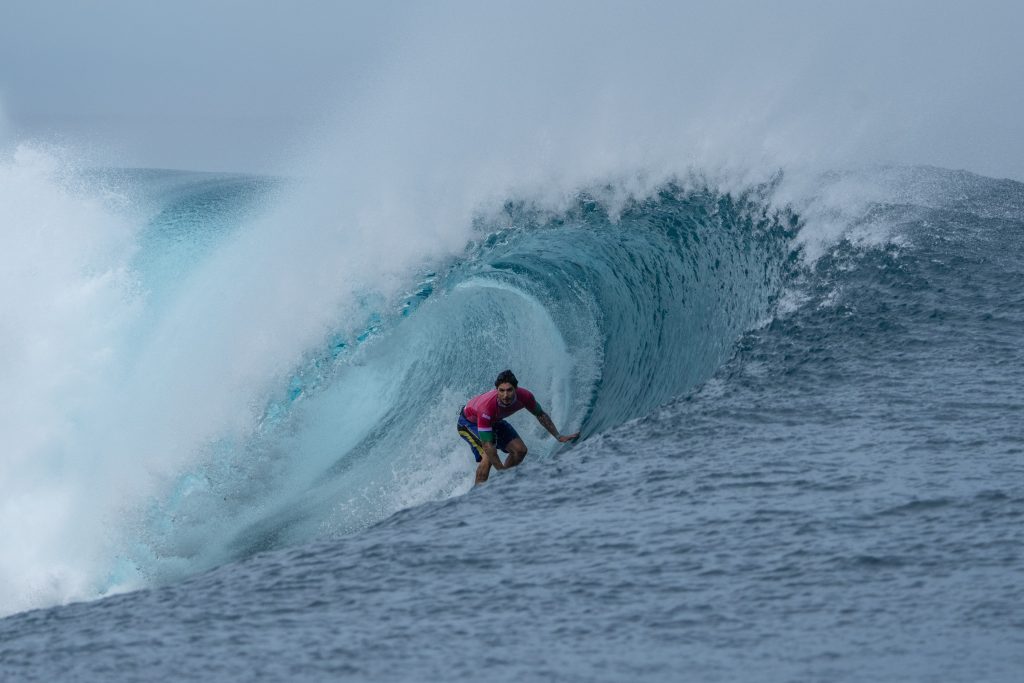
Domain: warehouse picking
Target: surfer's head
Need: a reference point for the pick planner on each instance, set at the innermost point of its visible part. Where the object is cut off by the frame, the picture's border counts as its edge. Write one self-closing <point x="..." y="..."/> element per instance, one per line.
<point x="506" y="376"/>
<point x="506" y="385"/>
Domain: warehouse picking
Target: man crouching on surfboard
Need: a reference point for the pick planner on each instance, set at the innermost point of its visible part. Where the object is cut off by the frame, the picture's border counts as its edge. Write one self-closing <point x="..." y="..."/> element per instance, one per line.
<point x="482" y="424"/>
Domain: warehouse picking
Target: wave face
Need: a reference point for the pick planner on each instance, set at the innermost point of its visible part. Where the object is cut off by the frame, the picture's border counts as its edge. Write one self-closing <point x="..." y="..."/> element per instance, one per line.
<point x="604" y="317"/>
<point x="228" y="405"/>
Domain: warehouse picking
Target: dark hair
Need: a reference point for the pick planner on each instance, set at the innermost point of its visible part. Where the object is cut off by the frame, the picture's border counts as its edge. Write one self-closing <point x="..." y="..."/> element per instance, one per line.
<point x="506" y="376"/>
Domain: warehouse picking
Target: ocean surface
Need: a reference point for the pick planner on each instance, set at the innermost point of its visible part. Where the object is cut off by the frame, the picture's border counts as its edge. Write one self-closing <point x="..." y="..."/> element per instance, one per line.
<point x="230" y="458"/>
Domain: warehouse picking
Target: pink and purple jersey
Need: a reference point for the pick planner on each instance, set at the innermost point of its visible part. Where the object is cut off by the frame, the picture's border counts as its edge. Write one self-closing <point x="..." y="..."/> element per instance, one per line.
<point x="484" y="410"/>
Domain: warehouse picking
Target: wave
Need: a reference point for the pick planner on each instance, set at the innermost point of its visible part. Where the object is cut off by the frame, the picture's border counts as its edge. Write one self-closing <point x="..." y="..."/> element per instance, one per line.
<point x="233" y="402"/>
<point x="605" y="316"/>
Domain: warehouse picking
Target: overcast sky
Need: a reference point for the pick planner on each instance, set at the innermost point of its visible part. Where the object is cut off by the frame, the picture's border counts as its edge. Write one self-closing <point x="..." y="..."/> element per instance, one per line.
<point x="247" y="86"/>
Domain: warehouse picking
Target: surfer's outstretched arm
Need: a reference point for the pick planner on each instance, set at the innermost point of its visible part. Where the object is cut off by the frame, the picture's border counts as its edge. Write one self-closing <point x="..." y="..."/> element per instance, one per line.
<point x="545" y="420"/>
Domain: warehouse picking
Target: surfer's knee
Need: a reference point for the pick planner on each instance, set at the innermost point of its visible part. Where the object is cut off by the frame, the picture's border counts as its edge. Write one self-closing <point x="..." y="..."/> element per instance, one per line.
<point x="516" y="455"/>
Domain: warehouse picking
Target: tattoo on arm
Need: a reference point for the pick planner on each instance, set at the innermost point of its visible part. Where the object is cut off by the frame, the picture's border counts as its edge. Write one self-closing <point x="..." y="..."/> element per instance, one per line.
<point x="548" y="424"/>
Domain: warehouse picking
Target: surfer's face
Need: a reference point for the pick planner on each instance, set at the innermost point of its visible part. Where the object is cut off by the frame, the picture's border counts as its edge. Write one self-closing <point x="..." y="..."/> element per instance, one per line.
<point x="506" y="394"/>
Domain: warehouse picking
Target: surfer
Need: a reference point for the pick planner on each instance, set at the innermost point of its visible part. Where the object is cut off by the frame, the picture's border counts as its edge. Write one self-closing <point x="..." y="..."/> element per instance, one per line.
<point x="482" y="424"/>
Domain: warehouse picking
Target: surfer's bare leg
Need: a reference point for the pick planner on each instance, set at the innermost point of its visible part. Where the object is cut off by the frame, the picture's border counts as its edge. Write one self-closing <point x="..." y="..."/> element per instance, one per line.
<point x="490" y="458"/>
<point x="482" y="470"/>
<point x="516" y="452"/>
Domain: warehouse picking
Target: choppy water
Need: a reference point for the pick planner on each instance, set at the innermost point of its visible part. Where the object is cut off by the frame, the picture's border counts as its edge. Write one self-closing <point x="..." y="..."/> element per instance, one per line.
<point x="794" y="467"/>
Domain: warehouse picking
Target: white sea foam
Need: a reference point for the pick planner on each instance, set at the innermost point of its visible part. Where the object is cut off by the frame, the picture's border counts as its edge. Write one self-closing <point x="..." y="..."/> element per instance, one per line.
<point x="67" y="298"/>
